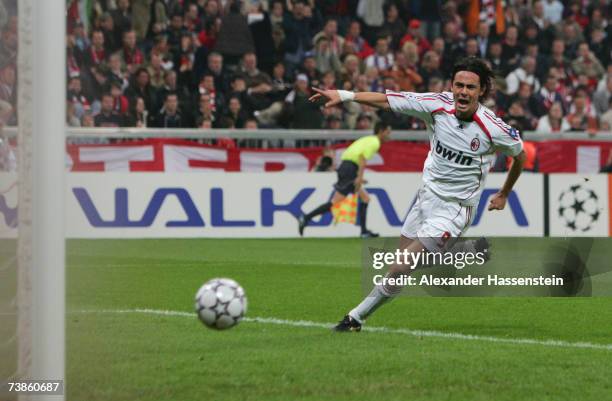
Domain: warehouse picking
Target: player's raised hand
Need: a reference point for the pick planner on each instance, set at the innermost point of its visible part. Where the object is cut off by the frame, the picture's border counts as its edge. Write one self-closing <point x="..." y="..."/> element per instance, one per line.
<point x="498" y="201"/>
<point x="332" y="95"/>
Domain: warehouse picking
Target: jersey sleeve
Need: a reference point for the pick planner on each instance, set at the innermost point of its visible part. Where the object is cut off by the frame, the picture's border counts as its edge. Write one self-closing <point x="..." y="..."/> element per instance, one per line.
<point x="506" y="138"/>
<point x="371" y="147"/>
<point x="419" y="105"/>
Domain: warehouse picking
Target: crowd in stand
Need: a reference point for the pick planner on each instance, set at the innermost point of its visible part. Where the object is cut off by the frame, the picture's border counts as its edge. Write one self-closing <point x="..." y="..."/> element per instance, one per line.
<point x="249" y="64"/>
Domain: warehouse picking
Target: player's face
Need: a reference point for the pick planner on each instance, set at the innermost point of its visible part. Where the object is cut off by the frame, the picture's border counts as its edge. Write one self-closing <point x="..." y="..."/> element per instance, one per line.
<point x="466" y="91"/>
<point x="385" y="135"/>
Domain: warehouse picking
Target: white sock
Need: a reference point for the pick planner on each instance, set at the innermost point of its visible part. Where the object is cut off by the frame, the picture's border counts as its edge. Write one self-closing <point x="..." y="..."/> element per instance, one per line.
<point x="377" y="297"/>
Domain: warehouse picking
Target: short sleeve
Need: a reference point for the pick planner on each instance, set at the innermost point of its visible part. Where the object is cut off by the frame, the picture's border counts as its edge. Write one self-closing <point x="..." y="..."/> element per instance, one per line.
<point x="371" y="147"/>
<point x="419" y="105"/>
<point x="507" y="139"/>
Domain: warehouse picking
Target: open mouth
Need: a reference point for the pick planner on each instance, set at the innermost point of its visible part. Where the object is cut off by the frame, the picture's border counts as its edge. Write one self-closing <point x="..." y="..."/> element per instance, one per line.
<point x="463" y="102"/>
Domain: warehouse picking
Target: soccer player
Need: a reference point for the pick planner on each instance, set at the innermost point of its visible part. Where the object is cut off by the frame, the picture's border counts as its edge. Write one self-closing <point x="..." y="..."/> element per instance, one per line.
<point x="350" y="177"/>
<point x="464" y="137"/>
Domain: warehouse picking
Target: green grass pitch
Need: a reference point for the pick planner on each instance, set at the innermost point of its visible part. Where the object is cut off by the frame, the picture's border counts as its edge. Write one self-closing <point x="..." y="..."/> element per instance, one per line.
<point x="145" y="356"/>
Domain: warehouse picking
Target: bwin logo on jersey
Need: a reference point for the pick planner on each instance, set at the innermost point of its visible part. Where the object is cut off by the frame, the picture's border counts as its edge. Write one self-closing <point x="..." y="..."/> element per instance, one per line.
<point x="453" y="155"/>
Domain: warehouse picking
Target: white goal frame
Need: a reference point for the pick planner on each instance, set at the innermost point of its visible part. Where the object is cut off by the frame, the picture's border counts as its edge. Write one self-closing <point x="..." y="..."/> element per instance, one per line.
<point x="41" y="159"/>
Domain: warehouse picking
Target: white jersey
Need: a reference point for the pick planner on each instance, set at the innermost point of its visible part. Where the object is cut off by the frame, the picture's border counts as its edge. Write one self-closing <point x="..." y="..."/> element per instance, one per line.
<point x="461" y="152"/>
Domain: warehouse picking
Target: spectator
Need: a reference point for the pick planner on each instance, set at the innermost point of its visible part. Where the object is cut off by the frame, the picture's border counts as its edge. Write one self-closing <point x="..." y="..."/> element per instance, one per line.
<point x="235" y="38"/>
<point x="586" y="63"/>
<point x="529" y="103"/>
<point x="112" y="36"/>
<point x="141" y="86"/>
<point x="215" y="68"/>
<point x="175" y="32"/>
<point x="606" y="118"/>
<point x="116" y="71"/>
<point x="394" y="26"/>
<point x="511" y="49"/>
<point x="333" y="122"/>
<point x="548" y="95"/>
<point x="298" y="26"/>
<point x="140" y="17"/>
<point x="205" y="110"/>
<point x="156" y="70"/>
<point x="81" y="41"/>
<point x="169" y="116"/>
<point x="158" y="18"/>
<point x="122" y="17"/>
<point x="471" y="48"/>
<point x="371" y="12"/>
<point x="235" y="112"/>
<point x="170" y="86"/>
<point x="330" y="32"/>
<point x="553" y="11"/>
<point x="600" y="44"/>
<point x="414" y="34"/>
<point x="75" y="97"/>
<point x="120" y="102"/>
<point x="191" y="19"/>
<point x="211" y="12"/>
<point x="96" y="53"/>
<point x="482" y="38"/>
<point x="601" y="98"/>
<point x="108" y="117"/>
<point x="261" y="30"/>
<point x="71" y="119"/>
<point x="405" y="69"/>
<point x="525" y="73"/>
<point x="382" y="59"/>
<point x="277" y="15"/>
<point x="305" y="115"/>
<point x="361" y="47"/>
<point x="350" y="69"/>
<point x="516" y="117"/>
<point x="326" y="161"/>
<point x="326" y="57"/>
<point x="572" y="37"/>
<point x="553" y="121"/>
<point x="131" y="56"/>
<point x="364" y="122"/>
<point x="558" y="60"/>
<point x="494" y="56"/>
<point x="207" y="86"/>
<point x="582" y="115"/>
<point x="139" y="115"/>
<point x="259" y="84"/>
<point x="183" y="61"/>
<point x="88" y="120"/>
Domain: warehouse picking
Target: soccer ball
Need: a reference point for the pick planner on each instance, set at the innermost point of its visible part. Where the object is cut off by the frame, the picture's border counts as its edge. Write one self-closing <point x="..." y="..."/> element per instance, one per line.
<point x="579" y="207"/>
<point x="220" y="303"/>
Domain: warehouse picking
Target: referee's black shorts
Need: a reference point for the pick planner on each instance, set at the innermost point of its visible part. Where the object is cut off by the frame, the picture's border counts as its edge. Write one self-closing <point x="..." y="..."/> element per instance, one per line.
<point x="347" y="173"/>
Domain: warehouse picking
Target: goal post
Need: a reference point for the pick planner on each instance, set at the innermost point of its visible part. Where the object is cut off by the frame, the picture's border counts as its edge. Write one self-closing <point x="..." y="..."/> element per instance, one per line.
<point x="41" y="163"/>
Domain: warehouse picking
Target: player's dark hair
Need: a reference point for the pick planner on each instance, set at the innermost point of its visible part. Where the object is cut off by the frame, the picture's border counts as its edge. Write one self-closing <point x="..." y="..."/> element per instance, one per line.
<point x="380" y="126"/>
<point x="478" y="67"/>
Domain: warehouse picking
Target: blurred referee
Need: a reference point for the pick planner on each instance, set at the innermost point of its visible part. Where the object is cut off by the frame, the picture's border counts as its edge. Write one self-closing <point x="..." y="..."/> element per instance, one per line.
<point x="350" y="177"/>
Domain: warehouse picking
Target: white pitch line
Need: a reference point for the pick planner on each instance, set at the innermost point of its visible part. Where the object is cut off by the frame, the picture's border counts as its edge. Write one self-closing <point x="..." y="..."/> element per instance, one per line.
<point x="414" y="333"/>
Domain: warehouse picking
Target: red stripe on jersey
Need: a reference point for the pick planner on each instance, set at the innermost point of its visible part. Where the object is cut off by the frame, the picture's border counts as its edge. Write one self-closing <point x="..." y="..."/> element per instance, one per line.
<point x="435" y="98"/>
<point x="451" y="111"/>
<point x="482" y="127"/>
<point x="506" y="130"/>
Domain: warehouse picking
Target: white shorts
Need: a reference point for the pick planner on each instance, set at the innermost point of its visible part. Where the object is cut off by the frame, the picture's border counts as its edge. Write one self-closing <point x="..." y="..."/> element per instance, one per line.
<point x="436" y="222"/>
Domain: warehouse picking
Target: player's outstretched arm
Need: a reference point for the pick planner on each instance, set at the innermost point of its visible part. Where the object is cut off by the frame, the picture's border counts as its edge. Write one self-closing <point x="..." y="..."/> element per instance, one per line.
<point x="335" y="97"/>
<point x="498" y="201"/>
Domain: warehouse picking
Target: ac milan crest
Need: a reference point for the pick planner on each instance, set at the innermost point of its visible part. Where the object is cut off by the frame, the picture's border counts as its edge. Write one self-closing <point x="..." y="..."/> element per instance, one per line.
<point x="475" y="144"/>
